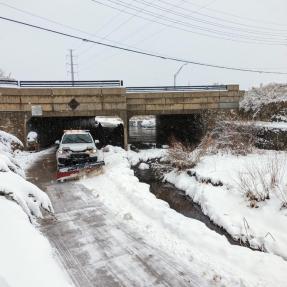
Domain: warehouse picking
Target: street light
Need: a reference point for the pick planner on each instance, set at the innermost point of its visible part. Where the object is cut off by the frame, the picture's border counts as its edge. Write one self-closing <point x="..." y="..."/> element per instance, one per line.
<point x="178" y="71"/>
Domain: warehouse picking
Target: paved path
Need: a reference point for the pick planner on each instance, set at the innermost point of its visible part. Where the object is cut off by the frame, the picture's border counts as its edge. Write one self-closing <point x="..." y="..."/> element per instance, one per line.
<point x="98" y="250"/>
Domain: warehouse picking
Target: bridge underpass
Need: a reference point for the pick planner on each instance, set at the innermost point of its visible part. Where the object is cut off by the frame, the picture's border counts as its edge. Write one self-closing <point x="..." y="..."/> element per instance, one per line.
<point x="23" y="108"/>
<point x="50" y="129"/>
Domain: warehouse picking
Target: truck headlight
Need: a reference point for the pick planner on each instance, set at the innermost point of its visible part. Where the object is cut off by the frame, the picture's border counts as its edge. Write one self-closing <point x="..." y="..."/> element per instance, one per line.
<point x="60" y="151"/>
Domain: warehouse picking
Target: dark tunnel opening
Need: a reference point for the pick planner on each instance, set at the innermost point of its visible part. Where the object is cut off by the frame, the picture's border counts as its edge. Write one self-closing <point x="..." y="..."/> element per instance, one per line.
<point x="188" y="129"/>
<point x="50" y="129"/>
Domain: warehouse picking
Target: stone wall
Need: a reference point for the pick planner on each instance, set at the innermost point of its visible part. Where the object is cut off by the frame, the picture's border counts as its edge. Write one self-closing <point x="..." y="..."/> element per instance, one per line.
<point x="14" y="123"/>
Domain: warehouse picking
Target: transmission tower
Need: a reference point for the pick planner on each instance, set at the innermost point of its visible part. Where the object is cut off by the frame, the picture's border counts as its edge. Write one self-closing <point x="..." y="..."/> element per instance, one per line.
<point x="72" y="65"/>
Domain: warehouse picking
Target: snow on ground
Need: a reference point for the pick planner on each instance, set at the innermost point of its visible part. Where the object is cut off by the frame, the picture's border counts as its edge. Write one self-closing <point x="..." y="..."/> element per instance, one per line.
<point x="143" y="166"/>
<point x="143" y="121"/>
<point x="206" y="253"/>
<point x="257" y="97"/>
<point x="26" y="258"/>
<point x="282" y="126"/>
<point x="25" y="159"/>
<point x="145" y="155"/>
<point x="109" y="121"/>
<point x="264" y="227"/>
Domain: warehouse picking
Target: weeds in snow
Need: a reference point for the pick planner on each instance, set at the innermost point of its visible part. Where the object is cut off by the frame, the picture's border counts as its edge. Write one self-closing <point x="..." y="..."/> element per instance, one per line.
<point x="186" y="157"/>
<point x="258" y="182"/>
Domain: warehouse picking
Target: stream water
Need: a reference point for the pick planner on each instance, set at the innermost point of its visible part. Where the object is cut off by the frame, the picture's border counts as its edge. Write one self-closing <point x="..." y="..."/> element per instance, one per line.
<point x="179" y="201"/>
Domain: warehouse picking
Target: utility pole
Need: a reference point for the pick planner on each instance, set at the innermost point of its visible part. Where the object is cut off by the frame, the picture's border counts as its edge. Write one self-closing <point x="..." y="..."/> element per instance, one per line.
<point x="72" y="66"/>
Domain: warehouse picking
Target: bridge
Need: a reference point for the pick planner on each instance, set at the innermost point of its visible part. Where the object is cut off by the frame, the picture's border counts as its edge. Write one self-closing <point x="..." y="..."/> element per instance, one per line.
<point x="22" y="101"/>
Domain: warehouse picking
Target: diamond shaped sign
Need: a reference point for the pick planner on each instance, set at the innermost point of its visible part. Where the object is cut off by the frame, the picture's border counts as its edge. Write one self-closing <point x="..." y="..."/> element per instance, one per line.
<point x="73" y="104"/>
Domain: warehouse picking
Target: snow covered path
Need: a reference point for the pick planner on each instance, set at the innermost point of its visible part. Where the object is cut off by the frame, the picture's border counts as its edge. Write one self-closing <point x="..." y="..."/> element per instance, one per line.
<point x="94" y="247"/>
<point x="97" y="251"/>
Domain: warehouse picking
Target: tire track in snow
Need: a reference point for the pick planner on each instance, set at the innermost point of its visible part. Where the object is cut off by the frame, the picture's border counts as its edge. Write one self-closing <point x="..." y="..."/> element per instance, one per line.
<point x="98" y="251"/>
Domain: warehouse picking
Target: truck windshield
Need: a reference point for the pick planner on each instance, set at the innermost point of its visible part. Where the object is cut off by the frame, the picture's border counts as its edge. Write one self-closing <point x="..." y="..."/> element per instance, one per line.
<point x="77" y="138"/>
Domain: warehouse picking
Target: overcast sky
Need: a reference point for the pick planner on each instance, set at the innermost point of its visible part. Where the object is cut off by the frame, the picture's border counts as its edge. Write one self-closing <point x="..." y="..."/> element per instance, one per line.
<point x="35" y="55"/>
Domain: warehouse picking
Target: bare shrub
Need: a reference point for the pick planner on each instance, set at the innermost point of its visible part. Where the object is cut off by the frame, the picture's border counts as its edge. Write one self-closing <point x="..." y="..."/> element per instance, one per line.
<point x="258" y="182"/>
<point x="187" y="156"/>
<point x="233" y="137"/>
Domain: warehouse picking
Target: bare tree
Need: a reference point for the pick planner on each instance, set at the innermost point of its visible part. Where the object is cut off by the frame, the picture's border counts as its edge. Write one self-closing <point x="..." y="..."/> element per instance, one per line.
<point x="4" y="76"/>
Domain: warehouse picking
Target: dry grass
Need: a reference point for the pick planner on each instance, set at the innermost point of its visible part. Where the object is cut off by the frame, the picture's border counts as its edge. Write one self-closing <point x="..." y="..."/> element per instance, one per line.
<point x="185" y="157"/>
<point x="258" y="182"/>
<point x="233" y="138"/>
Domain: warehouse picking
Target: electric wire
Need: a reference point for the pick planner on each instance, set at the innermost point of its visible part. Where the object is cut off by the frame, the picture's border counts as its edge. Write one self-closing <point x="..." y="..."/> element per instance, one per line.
<point x="158" y="56"/>
<point x="199" y="30"/>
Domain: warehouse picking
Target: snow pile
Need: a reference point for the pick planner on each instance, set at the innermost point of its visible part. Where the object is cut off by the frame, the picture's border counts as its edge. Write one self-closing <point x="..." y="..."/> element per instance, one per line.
<point x="145" y="155"/>
<point x="264" y="227"/>
<point x="150" y="123"/>
<point x="188" y="241"/>
<point x="255" y="98"/>
<point x="26" y="159"/>
<point x="32" y="137"/>
<point x="108" y="121"/>
<point x="8" y="143"/>
<point x="143" y="166"/>
<point x="12" y="183"/>
<point x="26" y="257"/>
<point x="143" y="121"/>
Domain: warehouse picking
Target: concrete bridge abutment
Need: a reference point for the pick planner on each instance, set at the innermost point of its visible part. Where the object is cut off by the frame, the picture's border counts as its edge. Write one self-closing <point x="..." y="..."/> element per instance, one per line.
<point x="19" y="106"/>
<point x="15" y="123"/>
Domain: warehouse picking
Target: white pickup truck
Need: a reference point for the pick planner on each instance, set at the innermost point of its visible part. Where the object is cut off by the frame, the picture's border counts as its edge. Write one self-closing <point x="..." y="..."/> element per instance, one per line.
<point x="77" y="153"/>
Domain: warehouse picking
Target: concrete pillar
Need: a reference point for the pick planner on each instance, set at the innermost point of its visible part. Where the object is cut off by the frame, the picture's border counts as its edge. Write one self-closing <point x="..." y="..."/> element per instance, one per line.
<point x="125" y="119"/>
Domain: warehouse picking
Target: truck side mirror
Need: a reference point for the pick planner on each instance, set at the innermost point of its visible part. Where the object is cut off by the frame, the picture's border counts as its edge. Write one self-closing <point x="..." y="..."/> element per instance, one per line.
<point x="97" y="141"/>
<point x="57" y="142"/>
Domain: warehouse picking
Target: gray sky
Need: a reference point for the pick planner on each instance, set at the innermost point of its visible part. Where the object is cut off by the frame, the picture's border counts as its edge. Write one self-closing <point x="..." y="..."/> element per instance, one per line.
<point x="34" y="55"/>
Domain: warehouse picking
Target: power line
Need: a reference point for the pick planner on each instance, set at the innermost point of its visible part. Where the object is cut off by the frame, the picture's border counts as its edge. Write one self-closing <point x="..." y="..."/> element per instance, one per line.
<point x="199" y="30"/>
<point x="235" y="16"/>
<point x="216" y="24"/>
<point x="123" y="40"/>
<point x="264" y="28"/>
<point x="140" y="52"/>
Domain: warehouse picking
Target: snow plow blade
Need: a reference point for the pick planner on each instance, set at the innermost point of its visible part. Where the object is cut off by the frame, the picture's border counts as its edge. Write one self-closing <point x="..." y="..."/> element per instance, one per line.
<point x="78" y="170"/>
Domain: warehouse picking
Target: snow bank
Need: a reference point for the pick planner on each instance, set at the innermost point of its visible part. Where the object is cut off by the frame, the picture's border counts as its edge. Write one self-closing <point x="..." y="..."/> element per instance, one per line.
<point x="32" y="137"/>
<point x="143" y="166"/>
<point x="26" y="257"/>
<point x="189" y="241"/>
<point x="150" y="123"/>
<point x="12" y="183"/>
<point x="255" y="98"/>
<point x="26" y="159"/>
<point x="145" y="155"/>
<point x="108" y="121"/>
<point x="264" y="227"/>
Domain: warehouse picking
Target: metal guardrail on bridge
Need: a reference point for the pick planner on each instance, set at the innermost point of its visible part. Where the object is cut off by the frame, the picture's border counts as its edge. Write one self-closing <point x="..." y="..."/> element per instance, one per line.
<point x="8" y="83"/>
<point x="66" y="84"/>
<point x="113" y="83"/>
<point x="61" y="84"/>
<point x="176" y="88"/>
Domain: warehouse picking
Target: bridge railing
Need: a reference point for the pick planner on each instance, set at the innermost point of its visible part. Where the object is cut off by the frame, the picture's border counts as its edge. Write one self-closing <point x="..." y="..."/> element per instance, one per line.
<point x="66" y="84"/>
<point x="61" y="84"/>
<point x="176" y="88"/>
<point x="8" y="83"/>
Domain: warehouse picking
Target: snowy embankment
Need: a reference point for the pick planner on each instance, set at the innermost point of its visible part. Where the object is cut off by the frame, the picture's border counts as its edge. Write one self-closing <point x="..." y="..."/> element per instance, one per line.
<point x="261" y="223"/>
<point x="255" y="98"/>
<point x="207" y="254"/>
<point x="145" y="155"/>
<point x="26" y="257"/>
